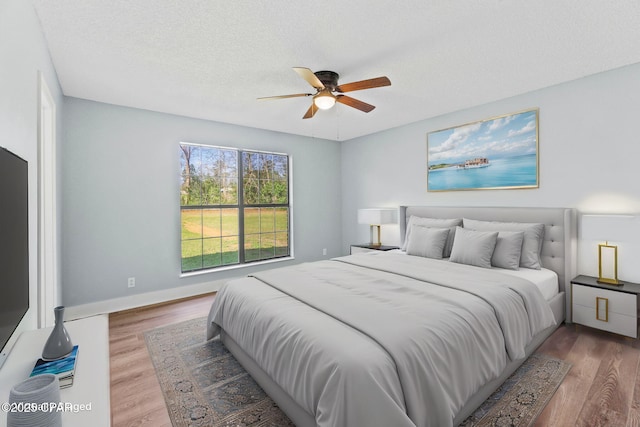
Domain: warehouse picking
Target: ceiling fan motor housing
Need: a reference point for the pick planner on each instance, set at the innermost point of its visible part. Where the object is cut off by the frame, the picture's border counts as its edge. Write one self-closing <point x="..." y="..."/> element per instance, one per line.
<point x="328" y="78"/>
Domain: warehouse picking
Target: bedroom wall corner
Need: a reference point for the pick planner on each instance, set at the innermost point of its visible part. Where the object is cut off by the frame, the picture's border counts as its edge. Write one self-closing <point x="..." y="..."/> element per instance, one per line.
<point x="121" y="207"/>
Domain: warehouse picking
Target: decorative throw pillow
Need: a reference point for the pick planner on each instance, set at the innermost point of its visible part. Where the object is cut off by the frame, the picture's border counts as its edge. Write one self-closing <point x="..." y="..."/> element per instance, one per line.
<point x="508" y="250"/>
<point x="427" y="242"/>
<point x="473" y="247"/>
<point x="451" y="224"/>
<point x="531" y="245"/>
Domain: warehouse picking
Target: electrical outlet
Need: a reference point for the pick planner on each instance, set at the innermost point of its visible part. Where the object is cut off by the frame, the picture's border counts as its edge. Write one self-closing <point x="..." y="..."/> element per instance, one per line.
<point x="324" y="251"/>
<point x="131" y="282"/>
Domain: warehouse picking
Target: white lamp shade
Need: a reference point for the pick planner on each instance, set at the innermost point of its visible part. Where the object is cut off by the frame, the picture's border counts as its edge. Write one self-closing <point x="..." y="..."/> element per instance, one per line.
<point x="610" y="228"/>
<point x="378" y="216"/>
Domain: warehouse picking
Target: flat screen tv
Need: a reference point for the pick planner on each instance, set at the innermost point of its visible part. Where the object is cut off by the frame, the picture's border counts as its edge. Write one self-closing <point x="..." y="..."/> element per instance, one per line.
<point x="14" y="245"/>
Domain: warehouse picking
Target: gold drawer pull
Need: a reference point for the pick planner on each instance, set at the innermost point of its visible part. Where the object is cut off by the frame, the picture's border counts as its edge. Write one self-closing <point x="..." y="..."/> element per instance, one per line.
<point x="606" y="309"/>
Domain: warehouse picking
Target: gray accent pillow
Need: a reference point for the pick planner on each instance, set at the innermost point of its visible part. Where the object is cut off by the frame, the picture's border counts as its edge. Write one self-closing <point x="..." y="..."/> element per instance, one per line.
<point x="531" y="245"/>
<point x="427" y="242"/>
<point x="451" y="224"/>
<point x="474" y="247"/>
<point x="508" y="250"/>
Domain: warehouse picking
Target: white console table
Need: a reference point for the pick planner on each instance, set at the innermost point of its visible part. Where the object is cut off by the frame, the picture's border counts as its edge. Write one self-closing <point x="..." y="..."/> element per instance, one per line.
<point x="91" y="380"/>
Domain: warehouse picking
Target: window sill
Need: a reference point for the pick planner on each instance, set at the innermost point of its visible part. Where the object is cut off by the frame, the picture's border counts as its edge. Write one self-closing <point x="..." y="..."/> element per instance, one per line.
<point x="236" y="266"/>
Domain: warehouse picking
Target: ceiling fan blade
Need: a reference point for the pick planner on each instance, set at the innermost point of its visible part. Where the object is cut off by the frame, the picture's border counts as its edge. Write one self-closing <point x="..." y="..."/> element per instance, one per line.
<point x="296" y="95"/>
<point x="311" y="111"/>
<point x="308" y="75"/>
<point x="352" y="102"/>
<point x="364" y="84"/>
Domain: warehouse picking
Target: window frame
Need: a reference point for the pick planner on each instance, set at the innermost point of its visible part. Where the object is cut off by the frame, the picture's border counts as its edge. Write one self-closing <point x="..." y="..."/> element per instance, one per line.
<point x="241" y="206"/>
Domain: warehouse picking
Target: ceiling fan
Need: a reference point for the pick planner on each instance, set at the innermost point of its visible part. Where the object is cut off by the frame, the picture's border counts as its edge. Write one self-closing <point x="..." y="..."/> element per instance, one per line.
<point x="325" y="84"/>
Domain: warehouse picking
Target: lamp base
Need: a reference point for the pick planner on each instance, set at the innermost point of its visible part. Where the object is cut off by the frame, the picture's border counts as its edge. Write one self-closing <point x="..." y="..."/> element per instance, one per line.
<point x="608" y="264"/>
<point x="371" y="232"/>
<point x="606" y="281"/>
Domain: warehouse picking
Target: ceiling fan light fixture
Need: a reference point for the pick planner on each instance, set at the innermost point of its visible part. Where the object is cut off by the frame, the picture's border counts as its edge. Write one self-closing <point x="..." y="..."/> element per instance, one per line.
<point x="324" y="100"/>
<point x="326" y="83"/>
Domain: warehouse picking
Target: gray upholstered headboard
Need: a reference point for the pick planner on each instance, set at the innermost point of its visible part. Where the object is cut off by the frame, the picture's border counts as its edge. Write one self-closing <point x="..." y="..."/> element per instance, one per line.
<point x="560" y="237"/>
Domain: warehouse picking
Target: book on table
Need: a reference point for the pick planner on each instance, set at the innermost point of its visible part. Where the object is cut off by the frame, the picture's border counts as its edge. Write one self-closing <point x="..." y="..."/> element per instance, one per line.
<point x="63" y="368"/>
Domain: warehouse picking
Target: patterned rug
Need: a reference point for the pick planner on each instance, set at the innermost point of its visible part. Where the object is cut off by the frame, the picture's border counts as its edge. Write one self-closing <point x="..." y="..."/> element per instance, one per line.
<point x="523" y="396"/>
<point x="204" y="385"/>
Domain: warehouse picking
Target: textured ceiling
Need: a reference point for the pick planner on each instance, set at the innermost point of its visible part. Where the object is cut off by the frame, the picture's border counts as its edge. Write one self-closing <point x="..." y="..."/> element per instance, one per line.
<point x="211" y="59"/>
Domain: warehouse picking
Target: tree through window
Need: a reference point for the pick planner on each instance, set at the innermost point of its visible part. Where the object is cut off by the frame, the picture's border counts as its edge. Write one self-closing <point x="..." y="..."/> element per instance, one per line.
<point x="234" y="206"/>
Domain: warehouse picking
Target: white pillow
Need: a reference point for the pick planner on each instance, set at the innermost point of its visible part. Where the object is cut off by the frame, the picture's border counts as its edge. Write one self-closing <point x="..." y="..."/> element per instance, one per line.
<point x="531" y="245"/>
<point x="451" y="224"/>
<point x="508" y="250"/>
<point x="473" y="247"/>
<point x="427" y="242"/>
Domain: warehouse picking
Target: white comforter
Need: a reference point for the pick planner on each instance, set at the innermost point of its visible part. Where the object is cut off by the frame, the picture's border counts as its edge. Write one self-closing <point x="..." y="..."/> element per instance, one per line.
<point x="381" y="340"/>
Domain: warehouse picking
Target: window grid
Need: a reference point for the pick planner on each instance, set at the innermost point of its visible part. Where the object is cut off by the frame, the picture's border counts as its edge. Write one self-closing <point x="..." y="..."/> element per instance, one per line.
<point x="234" y="206"/>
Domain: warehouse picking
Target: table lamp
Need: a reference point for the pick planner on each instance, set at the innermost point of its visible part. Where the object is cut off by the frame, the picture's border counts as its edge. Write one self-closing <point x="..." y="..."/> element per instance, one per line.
<point x="607" y="228"/>
<point x="376" y="217"/>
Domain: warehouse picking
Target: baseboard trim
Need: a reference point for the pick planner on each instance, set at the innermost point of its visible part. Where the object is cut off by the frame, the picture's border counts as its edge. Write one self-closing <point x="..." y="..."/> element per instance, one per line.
<point x="140" y="300"/>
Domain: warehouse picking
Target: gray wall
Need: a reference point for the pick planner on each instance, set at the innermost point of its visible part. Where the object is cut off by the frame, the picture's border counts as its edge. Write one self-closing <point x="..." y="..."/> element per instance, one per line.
<point x="120" y="204"/>
<point x="588" y="146"/>
<point x="23" y="53"/>
<point x="121" y="197"/>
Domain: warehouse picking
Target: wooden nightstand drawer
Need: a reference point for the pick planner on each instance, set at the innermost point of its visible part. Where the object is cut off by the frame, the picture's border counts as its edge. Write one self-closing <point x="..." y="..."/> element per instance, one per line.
<point x="605" y="309"/>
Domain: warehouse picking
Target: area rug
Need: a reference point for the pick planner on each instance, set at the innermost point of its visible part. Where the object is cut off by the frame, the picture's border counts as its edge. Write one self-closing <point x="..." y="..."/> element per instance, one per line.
<point x="204" y="385"/>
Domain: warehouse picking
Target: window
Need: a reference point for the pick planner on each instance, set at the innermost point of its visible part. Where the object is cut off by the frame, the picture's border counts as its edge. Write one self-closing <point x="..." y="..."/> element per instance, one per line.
<point x="234" y="206"/>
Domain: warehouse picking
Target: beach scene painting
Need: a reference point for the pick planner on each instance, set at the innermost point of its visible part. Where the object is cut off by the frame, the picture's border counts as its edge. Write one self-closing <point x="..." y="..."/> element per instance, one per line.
<point x="497" y="153"/>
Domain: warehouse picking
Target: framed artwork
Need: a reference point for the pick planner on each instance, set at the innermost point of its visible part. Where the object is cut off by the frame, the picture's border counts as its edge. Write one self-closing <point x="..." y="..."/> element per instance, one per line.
<point x="492" y="154"/>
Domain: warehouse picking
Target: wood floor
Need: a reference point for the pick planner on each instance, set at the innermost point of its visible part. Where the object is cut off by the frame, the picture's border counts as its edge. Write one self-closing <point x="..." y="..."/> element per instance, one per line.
<point x="136" y="397"/>
<point x="602" y="388"/>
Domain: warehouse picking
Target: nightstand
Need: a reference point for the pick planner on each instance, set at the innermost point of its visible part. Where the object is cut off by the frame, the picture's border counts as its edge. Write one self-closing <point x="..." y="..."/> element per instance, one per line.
<point x="367" y="247"/>
<point x="608" y="307"/>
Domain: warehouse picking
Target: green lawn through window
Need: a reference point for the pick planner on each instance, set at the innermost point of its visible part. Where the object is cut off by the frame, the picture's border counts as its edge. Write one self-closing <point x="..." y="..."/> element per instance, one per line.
<point x="210" y="236"/>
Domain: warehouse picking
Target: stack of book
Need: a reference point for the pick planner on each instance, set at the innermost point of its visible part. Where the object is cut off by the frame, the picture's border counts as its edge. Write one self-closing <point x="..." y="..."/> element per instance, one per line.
<point x="63" y="368"/>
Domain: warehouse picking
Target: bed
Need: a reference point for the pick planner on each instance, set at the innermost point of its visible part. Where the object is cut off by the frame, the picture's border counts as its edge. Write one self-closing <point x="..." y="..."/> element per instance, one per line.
<point x="390" y="339"/>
